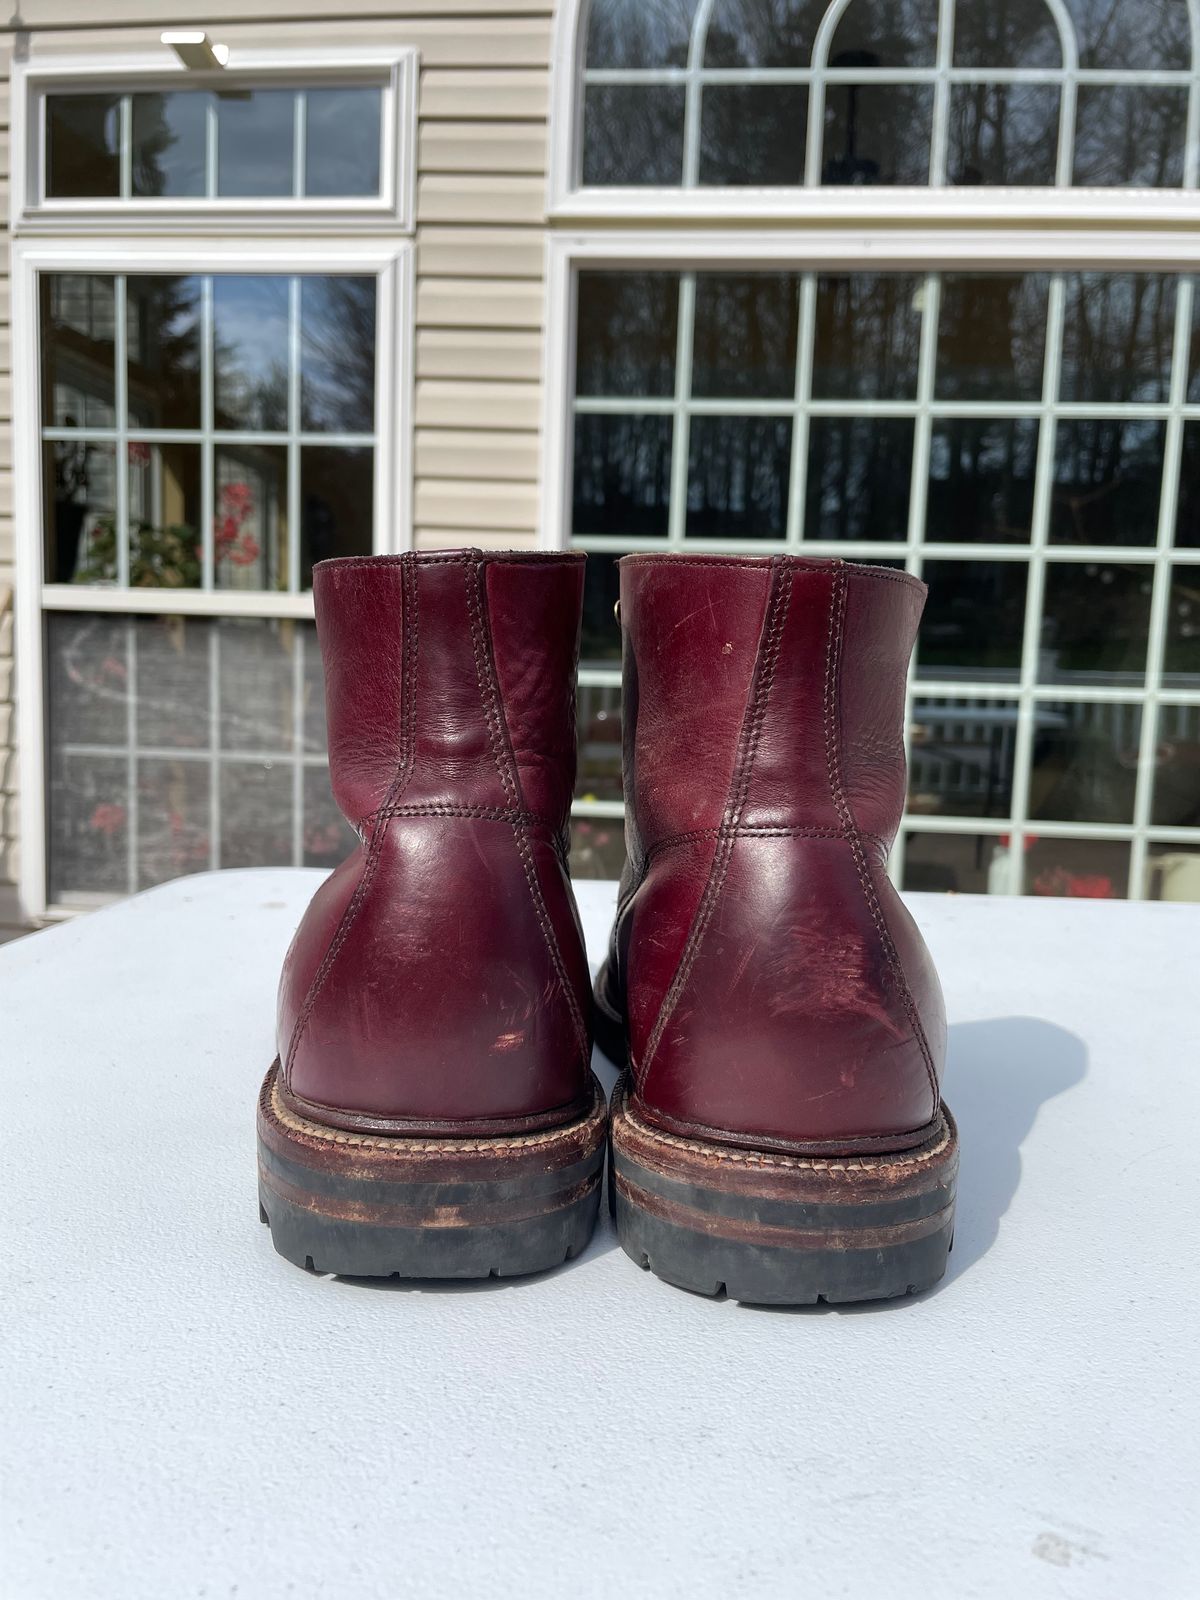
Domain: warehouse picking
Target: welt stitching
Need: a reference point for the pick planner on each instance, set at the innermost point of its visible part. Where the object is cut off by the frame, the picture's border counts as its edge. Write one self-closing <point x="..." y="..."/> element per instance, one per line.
<point x="528" y="819"/>
<point x="396" y="788"/>
<point x="489" y="695"/>
<point x="740" y="788"/>
<point x="833" y="666"/>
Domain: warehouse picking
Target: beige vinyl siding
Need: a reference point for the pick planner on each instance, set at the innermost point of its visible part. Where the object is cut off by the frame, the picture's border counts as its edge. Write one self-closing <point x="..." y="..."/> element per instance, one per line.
<point x="481" y="152"/>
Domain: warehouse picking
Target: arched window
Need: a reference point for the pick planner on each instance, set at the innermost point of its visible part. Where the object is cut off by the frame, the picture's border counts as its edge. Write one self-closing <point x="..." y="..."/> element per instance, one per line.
<point x="704" y="94"/>
<point x="842" y="279"/>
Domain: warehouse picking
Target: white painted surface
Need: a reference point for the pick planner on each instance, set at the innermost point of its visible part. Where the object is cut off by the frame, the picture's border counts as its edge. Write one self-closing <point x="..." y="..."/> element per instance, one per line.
<point x="185" y="1414"/>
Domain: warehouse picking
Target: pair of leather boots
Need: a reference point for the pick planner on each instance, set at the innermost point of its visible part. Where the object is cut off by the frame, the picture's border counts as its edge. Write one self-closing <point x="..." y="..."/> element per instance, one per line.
<point x="778" y="1129"/>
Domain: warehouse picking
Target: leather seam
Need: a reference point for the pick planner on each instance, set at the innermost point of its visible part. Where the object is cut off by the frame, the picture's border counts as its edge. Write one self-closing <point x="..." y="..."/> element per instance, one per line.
<point x="489" y="695"/>
<point x="750" y="831"/>
<point x="768" y="655"/>
<point x="528" y="819"/>
<point x="400" y="780"/>
<point x="841" y="803"/>
<point x="886" y="574"/>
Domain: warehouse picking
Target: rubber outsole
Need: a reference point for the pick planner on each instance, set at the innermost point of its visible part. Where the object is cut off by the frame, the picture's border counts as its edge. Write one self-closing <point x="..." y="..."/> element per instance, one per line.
<point x="375" y="1206"/>
<point x="774" y="1229"/>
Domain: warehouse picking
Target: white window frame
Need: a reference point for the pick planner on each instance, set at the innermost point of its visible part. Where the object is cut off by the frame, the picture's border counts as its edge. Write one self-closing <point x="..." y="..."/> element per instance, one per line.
<point x="815" y="229"/>
<point x="569" y="201"/>
<point x="289" y="238"/>
<point x="395" y="72"/>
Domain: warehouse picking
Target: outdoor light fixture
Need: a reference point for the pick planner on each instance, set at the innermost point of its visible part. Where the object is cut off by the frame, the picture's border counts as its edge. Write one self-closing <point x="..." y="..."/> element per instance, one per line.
<point x="195" y="49"/>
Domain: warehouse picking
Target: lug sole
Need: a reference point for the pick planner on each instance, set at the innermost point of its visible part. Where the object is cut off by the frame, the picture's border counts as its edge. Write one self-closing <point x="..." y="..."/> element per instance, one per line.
<point x="372" y="1206"/>
<point x="774" y="1229"/>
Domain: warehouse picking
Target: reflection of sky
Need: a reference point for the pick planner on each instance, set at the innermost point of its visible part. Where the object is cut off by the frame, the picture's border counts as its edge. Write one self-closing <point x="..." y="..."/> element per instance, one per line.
<point x="251" y="323"/>
<point x="254" y="143"/>
<point x="179" y="168"/>
<point x="342" y="143"/>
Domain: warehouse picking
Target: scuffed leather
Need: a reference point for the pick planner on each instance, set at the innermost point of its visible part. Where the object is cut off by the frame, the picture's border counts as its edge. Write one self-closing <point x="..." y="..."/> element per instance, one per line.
<point x="775" y="988"/>
<point x="438" y="978"/>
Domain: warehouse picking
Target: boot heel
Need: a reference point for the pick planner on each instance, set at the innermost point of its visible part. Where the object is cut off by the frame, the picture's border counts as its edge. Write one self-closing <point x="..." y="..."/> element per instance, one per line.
<point x="377" y="1207"/>
<point x="776" y="1229"/>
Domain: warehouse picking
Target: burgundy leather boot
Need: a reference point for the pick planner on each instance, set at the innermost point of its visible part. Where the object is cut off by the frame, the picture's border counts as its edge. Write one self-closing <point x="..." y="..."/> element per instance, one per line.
<point x="432" y="1111"/>
<point x="779" y="1130"/>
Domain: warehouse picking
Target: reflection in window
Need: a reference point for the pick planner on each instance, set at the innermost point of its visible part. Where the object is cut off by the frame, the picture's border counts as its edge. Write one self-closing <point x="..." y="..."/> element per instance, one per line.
<point x="290" y="357"/>
<point x="744" y="76"/>
<point x="216" y="768"/>
<point x="188" y="144"/>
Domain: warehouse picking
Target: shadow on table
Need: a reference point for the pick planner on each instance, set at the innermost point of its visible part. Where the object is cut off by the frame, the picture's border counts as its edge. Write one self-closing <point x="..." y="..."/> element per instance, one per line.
<point x="999" y="1074"/>
<point x="603" y="1240"/>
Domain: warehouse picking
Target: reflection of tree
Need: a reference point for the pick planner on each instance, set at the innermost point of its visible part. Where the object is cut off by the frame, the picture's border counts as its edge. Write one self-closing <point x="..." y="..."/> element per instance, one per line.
<point x="164" y="351"/>
<point x="338" y="322"/>
<point x="626" y="333"/>
<point x="867" y="335"/>
<point x="155" y="138"/>
<point x="763" y="33"/>
<point x="1117" y="336"/>
<point x="639" y="33"/>
<point x="1132" y="33"/>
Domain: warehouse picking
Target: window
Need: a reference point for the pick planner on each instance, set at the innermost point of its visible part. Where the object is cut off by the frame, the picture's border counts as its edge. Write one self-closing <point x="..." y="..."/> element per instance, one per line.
<point x="203" y="419"/>
<point x="1005" y="411"/>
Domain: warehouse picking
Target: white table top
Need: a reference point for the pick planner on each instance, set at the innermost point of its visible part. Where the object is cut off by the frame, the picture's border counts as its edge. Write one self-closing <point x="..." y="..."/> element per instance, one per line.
<point x="185" y="1414"/>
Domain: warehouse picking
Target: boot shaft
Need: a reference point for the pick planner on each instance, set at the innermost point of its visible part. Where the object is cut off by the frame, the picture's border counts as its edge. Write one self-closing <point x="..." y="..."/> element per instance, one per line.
<point x="453" y="673"/>
<point x="773" y="688"/>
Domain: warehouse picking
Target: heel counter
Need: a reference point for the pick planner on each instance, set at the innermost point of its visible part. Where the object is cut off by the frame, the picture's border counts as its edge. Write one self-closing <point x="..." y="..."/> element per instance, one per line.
<point x="435" y="997"/>
<point x="796" y="1021"/>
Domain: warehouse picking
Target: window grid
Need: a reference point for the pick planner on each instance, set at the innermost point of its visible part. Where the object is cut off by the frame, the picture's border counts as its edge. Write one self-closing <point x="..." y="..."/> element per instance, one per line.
<point x="1146" y="693"/>
<point x="208" y="436"/>
<point x="942" y="75"/>
<point x="298" y="756"/>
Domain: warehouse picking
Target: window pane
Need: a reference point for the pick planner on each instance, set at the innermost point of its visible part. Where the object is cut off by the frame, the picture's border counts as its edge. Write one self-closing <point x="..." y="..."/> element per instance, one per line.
<point x="174" y="833"/>
<point x="1084" y="762"/>
<point x="601" y="640"/>
<point x="981" y="476"/>
<point x="165" y="549"/>
<point x="1002" y="133"/>
<point x="1094" y="623"/>
<point x="255" y="142"/>
<point x="867" y="337"/>
<point x="337" y="354"/>
<point x="106" y="838"/>
<point x="1132" y="34"/>
<point x="1173" y="872"/>
<point x="1181" y="663"/>
<point x="250" y="335"/>
<point x="1130" y="134"/>
<point x="1176" y="802"/>
<point x="956" y="863"/>
<point x="597" y="847"/>
<point x="961" y="758"/>
<point x="82" y="145"/>
<point x="80" y="504"/>
<point x="622" y="478"/>
<point x="744" y="342"/>
<point x="1020" y="33"/>
<point x="1187" y="522"/>
<point x="599" y="722"/>
<point x="746" y="33"/>
<point x="251" y="536"/>
<point x="753" y="133"/>
<point x="632" y="134"/>
<point x="991" y="336"/>
<point x="1107" y="482"/>
<point x="974" y="620"/>
<point x="163" y="335"/>
<point x="336" y="505"/>
<point x="627" y="332"/>
<point x="886" y="33"/>
<point x="170" y="142"/>
<point x="342" y="141"/>
<point x="639" y="33"/>
<point x="1118" y="329"/>
<point x="876" y="133"/>
<point x="859" y="473"/>
<point x="1079" y="869"/>
<point x="78" y="360"/>
<point x="738" y="471"/>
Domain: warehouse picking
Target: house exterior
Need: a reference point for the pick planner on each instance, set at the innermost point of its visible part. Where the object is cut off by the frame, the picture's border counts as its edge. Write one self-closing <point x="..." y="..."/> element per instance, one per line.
<point x="905" y="283"/>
